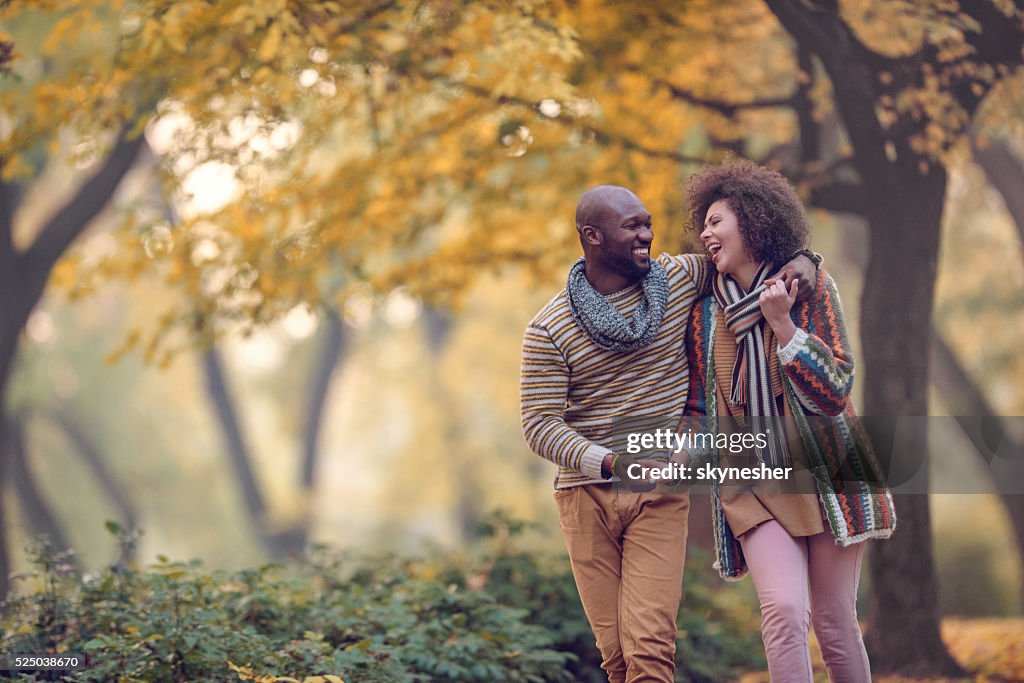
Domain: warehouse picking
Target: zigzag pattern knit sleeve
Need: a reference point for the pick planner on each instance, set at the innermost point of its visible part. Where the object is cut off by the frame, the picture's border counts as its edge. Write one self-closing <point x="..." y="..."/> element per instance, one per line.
<point x="544" y="388"/>
<point x="697" y="359"/>
<point x="818" y="360"/>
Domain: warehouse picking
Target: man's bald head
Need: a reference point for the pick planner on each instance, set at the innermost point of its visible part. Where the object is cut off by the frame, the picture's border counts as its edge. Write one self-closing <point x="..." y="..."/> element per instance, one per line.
<point x="616" y="235"/>
<point x="599" y="204"/>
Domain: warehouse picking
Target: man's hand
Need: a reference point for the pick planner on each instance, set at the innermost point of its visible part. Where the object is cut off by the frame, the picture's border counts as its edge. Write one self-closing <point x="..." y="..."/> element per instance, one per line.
<point x="776" y="302"/>
<point x="627" y="465"/>
<point x="682" y="458"/>
<point x="800" y="268"/>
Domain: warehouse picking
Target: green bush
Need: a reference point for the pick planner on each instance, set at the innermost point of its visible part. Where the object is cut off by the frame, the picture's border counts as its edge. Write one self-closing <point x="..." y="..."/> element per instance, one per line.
<point x="497" y="613"/>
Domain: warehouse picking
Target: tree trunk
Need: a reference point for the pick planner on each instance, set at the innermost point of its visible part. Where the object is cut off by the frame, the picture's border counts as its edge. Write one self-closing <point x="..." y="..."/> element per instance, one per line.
<point x="901" y="195"/>
<point x="39" y="516"/>
<point x="331" y="352"/>
<point x="239" y="455"/>
<point x="964" y="398"/>
<point x="902" y="632"/>
<point x="279" y="543"/>
<point x="23" y="275"/>
<point x="5" y="562"/>
<point x="95" y="461"/>
<point x="10" y="331"/>
<point x="466" y="482"/>
<point x="1005" y="172"/>
<point x="896" y="316"/>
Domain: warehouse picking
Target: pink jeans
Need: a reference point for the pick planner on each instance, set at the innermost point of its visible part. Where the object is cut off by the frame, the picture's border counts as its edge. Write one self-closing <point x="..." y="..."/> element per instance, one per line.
<point x="803" y="580"/>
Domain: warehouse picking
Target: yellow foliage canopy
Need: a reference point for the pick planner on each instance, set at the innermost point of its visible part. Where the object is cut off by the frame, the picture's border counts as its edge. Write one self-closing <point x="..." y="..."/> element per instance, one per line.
<point x="308" y="146"/>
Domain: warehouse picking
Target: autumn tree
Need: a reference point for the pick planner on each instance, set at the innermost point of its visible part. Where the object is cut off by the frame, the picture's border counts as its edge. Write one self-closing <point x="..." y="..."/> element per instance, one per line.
<point x="903" y="112"/>
<point x="418" y="144"/>
<point x="341" y="124"/>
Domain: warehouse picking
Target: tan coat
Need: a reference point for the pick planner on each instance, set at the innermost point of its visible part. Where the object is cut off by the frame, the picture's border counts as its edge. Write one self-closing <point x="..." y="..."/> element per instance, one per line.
<point x="800" y="514"/>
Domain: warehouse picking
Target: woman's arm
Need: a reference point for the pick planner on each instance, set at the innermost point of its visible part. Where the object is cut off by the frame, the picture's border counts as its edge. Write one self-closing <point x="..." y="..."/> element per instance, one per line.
<point x="696" y="340"/>
<point x="698" y="333"/>
<point x="817" y="358"/>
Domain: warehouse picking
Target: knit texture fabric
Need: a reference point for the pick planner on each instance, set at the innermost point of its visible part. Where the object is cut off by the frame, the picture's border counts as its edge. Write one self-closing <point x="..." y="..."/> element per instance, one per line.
<point x="751" y="385"/>
<point x="576" y="395"/>
<point x="605" y="324"/>
<point x="817" y="377"/>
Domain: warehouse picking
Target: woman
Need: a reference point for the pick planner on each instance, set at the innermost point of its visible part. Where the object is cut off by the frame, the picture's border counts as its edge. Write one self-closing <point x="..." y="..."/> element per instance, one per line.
<point x="783" y="368"/>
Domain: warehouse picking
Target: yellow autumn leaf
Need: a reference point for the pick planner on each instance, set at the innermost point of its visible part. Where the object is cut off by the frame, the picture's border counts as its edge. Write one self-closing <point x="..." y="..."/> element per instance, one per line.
<point x="236" y="16"/>
<point x="271" y="43"/>
<point x="173" y="36"/>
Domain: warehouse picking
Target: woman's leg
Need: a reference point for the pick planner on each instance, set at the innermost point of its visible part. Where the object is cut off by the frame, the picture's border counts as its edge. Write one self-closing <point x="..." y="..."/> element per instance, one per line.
<point x="778" y="566"/>
<point x="835" y="573"/>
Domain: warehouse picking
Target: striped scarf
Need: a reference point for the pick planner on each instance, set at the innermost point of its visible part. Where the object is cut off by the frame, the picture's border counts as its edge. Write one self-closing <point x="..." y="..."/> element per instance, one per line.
<point x="751" y="385"/>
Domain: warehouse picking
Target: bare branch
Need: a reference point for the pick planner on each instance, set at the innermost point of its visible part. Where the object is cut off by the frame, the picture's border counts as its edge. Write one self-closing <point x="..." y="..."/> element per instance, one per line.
<point x="601" y="136"/>
<point x="605" y="138"/>
<point x="819" y="29"/>
<point x="997" y="43"/>
<point x="73" y="218"/>
<point x="725" y="107"/>
<point x="1005" y="172"/>
<point x="808" y="127"/>
<point x="10" y="197"/>
<point x="839" y="196"/>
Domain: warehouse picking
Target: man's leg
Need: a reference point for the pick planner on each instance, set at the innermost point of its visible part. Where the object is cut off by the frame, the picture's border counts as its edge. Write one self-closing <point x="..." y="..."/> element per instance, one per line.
<point x="592" y="529"/>
<point x="653" y="552"/>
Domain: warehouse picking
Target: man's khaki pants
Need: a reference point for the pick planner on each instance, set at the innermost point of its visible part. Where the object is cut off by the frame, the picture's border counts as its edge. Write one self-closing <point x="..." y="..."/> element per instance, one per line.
<point x="627" y="551"/>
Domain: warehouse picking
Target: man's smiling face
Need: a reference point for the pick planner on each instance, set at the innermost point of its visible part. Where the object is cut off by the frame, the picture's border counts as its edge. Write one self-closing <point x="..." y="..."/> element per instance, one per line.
<point x="626" y="227"/>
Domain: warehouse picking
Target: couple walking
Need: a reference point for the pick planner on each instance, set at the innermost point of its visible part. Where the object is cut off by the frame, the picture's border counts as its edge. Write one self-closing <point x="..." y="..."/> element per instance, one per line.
<point x="633" y="339"/>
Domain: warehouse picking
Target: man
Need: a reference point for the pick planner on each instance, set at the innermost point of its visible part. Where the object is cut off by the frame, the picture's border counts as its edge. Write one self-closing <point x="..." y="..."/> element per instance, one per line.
<point x="608" y="348"/>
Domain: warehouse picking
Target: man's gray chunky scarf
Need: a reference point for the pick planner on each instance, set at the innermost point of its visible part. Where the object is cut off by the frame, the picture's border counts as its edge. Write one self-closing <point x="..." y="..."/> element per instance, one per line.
<point x="608" y="328"/>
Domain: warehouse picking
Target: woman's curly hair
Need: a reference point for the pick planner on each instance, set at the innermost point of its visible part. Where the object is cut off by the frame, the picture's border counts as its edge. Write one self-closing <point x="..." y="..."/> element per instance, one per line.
<point x="770" y="216"/>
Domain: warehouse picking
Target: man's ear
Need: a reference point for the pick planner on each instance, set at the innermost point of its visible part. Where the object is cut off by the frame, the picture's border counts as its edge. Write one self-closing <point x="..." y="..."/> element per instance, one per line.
<point x="592" y="235"/>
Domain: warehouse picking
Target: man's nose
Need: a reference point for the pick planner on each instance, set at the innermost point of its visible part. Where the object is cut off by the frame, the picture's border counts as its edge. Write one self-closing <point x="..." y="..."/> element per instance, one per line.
<point x="647" y="234"/>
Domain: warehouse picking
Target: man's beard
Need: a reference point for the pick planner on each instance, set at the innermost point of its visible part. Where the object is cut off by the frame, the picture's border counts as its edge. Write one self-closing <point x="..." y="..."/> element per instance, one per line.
<point x="626" y="267"/>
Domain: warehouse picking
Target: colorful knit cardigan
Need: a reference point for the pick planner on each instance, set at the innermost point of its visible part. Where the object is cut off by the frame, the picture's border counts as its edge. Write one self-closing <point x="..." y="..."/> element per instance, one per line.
<point x="817" y="374"/>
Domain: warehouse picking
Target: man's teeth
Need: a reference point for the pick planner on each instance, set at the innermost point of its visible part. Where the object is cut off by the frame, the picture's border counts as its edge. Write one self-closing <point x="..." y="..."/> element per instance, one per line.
<point x="643" y="250"/>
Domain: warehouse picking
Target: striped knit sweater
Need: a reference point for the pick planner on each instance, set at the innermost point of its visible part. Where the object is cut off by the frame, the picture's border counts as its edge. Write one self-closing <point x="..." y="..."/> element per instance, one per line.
<point x="576" y="396"/>
<point x="817" y="376"/>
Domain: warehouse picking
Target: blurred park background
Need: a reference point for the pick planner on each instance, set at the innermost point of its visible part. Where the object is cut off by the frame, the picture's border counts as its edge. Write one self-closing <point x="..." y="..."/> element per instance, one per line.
<point x="265" y="264"/>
